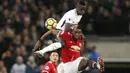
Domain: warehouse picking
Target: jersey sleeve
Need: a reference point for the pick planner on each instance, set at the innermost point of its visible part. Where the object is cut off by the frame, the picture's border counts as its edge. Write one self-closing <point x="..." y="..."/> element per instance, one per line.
<point x="67" y="37"/>
<point x="46" y="68"/>
<point x="61" y="24"/>
<point x="64" y="21"/>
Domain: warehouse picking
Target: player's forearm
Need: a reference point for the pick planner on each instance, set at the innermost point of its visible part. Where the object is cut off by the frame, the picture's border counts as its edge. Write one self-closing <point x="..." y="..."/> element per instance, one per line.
<point x="53" y="31"/>
<point x="46" y="34"/>
<point x="51" y="47"/>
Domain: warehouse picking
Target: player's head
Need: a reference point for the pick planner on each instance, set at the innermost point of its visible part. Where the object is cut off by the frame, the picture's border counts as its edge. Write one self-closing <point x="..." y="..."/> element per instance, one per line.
<point x="54" y="57"/>
<point x="81" y="7"/>
<point x="76" y="32"/>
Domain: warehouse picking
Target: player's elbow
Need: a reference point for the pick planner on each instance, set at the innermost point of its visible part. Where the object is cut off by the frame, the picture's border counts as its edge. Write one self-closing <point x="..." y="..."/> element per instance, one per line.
<point x="55" y="31"/>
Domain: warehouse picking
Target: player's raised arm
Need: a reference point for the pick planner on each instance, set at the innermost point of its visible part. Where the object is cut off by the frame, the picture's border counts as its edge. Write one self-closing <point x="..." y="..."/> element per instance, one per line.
<point x="39" y="42"/>
<point x="60" y="26"/>
<point x="51" y="47"/>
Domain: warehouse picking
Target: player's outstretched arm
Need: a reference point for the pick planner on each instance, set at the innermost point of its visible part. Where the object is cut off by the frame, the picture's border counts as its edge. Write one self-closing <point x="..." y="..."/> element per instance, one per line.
<point x="51" y="47"/>
<point x="53" y="31"/>
<point x="39" y="42"/>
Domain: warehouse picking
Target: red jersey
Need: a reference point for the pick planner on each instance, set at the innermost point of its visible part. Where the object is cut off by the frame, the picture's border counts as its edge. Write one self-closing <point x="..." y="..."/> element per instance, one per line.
<point x="50" y="67"/>
<point x="69" y="54"/>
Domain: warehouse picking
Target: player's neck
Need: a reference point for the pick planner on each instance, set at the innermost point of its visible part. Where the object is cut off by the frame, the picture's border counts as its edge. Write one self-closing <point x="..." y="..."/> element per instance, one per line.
<point x="77" y="12"/>
<point x="74" y="39"/>
<point x="54" y="62"/>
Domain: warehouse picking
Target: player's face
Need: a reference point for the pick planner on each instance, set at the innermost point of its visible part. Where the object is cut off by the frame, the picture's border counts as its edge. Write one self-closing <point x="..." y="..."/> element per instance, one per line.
<point x="81" y="9"/>
<point x="76" y="33"/>
<point x="54" y="57"/>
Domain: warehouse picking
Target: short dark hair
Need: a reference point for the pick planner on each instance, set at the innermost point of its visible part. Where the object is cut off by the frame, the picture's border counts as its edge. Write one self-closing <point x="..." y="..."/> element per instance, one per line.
<point x="52" y="52"/>
<point x="82" y="2"/>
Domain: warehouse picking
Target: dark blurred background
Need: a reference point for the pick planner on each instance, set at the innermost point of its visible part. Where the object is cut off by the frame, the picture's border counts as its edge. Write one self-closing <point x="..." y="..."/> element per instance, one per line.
<point x="106" y="23"/>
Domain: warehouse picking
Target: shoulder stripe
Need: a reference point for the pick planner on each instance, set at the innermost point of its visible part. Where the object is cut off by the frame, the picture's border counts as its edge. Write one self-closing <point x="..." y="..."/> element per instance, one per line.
<point x="63" y="23"/>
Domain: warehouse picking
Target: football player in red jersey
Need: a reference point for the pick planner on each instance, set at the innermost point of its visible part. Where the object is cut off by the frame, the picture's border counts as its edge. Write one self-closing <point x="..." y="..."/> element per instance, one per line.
<point x="71" y="44"/>
<point x="51" y="66"/>
<point x="72" y="17"/>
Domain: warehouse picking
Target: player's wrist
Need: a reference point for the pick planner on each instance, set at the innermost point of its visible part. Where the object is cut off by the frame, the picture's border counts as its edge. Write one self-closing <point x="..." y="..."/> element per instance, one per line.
<point x="40" y="40"/>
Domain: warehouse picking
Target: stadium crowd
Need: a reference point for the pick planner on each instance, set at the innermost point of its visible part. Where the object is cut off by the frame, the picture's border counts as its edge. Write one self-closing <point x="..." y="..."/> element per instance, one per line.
<point x="22" y="23"/>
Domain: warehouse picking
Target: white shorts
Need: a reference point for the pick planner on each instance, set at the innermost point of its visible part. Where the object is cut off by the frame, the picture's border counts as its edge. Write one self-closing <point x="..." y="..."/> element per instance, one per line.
<point x="69" y="67"/>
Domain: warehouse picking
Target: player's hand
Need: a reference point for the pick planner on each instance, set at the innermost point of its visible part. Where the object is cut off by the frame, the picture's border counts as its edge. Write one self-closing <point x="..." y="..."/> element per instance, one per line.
<point x="37" y="45"/>
<point x="82" y="37"/>
<point x="39" y="54"/>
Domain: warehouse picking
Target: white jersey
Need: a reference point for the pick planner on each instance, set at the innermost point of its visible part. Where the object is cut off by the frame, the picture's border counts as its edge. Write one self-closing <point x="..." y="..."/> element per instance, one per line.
<point x="70" y="17"/>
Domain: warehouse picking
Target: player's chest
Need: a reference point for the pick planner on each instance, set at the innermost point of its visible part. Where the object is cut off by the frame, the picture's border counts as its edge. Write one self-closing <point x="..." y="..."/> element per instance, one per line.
<point x="72" y="42"/>
<point x="74" y="19"/>
<point x="54" y="70"/>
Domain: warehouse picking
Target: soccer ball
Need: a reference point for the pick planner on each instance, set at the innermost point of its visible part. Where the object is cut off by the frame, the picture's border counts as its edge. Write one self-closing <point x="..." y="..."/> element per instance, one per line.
<point x="50" y="23"/>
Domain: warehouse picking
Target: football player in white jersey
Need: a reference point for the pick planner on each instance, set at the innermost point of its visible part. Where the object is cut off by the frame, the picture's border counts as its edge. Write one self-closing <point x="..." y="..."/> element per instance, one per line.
<point x="70" y="18"/>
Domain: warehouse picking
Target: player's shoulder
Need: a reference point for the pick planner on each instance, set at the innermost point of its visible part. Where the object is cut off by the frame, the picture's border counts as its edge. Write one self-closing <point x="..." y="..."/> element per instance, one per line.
<point x="70" y="12"/>
<point x="65" y="33"/>
<point x="49" y="63"/>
